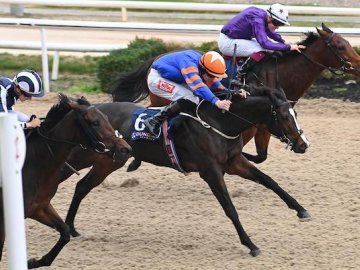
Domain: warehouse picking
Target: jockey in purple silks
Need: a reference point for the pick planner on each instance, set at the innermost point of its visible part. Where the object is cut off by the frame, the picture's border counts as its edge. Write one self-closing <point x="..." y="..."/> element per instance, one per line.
<point x="251" y="31"/>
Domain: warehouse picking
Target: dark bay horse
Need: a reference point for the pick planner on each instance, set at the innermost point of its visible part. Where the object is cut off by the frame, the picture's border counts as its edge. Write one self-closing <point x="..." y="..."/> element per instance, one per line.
<point x="66" y="125"/>
<point x="210" y="151"/>
<point x="292" y="71"/>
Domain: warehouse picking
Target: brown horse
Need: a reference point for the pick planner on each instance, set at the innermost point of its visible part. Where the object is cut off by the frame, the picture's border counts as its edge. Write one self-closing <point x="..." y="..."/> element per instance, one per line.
<point x="67" y="125"/>
<point x="293" y="72"/>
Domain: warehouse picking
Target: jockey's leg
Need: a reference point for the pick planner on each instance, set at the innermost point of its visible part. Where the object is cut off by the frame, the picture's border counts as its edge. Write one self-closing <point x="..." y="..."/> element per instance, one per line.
<point x="251" y="61"/>
<point x="153" y="124"/>
<point x="180" y="95"/>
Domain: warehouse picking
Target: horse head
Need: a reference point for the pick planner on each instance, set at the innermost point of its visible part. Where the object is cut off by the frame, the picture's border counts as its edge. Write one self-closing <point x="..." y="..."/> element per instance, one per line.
<point x="98" y="131"/>
<point x="284" y="124"/>
<point x="345" y="58"/>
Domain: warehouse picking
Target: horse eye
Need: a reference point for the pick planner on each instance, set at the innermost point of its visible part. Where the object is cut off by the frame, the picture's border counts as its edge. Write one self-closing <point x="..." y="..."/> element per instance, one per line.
<point x="341" y="48"/>
<point x="96" y="123"/>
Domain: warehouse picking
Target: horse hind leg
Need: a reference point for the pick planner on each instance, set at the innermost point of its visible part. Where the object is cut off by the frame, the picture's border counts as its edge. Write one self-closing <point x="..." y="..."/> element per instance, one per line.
<point x="215" y="180"/>
<point x="48" y="216"/>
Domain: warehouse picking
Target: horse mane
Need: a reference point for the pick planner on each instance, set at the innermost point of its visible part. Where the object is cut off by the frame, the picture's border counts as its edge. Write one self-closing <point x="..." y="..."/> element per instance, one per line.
<point x="59" y="110"/>
<point x="310" y="38"/>
<point x="276" y="95"/>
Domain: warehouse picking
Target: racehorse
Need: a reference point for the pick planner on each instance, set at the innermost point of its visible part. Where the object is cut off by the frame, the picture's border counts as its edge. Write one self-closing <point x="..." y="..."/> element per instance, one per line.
<point x="66" y="125"/>
<point x="292" y="71"/>
<point x="211" y="151"/>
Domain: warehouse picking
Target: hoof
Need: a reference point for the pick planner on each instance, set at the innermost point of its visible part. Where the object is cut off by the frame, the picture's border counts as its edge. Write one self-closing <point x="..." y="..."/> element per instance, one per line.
<point x="304" y="216"/>
<point x="74" y="233"/>
<point x="33" y="263"/>
<point x="255" y="252"/>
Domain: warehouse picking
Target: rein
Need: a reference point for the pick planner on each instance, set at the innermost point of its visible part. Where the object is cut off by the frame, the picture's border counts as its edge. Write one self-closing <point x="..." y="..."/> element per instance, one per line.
<point x="336" y="71"/>
<point x="66" y="163"/>
<point x="206" y="125"/>
<point x="282" y="138"/>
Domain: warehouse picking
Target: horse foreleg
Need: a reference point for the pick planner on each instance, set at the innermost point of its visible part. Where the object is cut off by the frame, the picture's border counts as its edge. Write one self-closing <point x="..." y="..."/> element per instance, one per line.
<point x="242" y="167"/>
<point x="48" y="216"/>
<point x="262" y="138"/>
<point x="134" y="165"/>
<point x="100" y="170"/>
<point x="215" y="180"/>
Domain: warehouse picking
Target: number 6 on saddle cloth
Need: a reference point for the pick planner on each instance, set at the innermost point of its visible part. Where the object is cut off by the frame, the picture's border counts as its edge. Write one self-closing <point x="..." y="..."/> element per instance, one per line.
<point x="140" y="133"/>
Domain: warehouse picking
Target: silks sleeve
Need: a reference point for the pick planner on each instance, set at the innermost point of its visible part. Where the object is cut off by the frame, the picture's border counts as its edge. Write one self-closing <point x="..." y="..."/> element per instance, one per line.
<point x="195" y="83"/>
<point x="262" y="38"/>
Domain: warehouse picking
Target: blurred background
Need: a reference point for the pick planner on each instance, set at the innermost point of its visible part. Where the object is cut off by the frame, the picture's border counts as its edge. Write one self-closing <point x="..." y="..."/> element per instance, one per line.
<point x="86" y="45"/>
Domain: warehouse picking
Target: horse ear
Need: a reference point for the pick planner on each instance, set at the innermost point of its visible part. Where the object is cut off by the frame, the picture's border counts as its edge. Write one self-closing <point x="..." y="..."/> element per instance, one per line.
<point x="321" y="32"/>
<point x="83" y="101"/>
<point x="325" y="28"/>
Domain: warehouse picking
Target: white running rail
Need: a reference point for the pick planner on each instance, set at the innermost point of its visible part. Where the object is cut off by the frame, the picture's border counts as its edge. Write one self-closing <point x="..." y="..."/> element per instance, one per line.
<point x="12" y="156"/>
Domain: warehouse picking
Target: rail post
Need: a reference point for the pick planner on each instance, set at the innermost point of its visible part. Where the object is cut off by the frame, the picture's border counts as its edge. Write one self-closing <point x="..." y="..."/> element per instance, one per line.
<point x="45" y="63"/>
<point x="17" y="10"/>
<point x="12" y="156"/>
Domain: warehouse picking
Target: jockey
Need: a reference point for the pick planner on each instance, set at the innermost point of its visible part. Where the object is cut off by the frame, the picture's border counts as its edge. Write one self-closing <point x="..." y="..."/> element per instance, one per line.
<point x="186" y="75"/>
<point x="250" y="30"/>
<point x="24" y="86"/>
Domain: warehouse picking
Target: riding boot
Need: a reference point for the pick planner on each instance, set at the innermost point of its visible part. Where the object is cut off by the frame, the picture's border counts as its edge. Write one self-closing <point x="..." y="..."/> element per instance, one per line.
<point x="246" y="65"/>
<point x="153" y="124"/>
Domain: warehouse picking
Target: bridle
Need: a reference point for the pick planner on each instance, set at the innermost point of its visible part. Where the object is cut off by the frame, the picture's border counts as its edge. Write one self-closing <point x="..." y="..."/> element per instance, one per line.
<point x="346" y="65"/>
<point x="283" y="138"/>
<point x="91" y="136"/>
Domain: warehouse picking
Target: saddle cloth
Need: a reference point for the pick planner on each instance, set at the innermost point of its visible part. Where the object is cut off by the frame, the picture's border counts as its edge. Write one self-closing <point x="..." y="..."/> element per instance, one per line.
<point x="166" y="134"/>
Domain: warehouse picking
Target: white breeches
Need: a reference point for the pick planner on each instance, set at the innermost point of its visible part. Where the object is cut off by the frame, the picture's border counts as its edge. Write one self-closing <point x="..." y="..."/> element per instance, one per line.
<point x="168" y="89"/>
<point x="244" y="47"/>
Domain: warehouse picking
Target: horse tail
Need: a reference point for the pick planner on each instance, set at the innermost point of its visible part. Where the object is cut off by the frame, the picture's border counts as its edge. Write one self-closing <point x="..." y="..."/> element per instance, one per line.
<point x="131" y="86"/>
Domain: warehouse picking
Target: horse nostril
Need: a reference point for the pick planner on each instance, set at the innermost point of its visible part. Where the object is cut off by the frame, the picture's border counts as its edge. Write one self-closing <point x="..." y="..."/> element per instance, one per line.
<point x="126" y="151"/>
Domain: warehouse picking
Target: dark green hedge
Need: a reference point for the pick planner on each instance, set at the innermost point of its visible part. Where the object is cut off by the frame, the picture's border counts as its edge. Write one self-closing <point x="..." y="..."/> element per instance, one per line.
<point x="140" y="50"/>
<point x="125" y="60"/>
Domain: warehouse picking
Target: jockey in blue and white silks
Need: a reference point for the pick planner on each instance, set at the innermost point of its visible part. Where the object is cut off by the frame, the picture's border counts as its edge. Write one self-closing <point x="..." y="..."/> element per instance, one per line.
<point x="24" y="86"/>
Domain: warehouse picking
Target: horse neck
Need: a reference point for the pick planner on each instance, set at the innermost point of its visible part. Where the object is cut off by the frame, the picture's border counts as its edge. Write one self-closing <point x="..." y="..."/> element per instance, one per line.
<point x="244" y="113"/>
<point x="296" y="73"/>
<point x="251" y="111"/>
<point x="68" y="135"/>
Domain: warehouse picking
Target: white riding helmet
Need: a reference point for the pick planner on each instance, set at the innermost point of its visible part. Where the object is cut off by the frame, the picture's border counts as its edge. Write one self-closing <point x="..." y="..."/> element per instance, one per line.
<point x="29" y="82"/>
<point x="279" y="12"/>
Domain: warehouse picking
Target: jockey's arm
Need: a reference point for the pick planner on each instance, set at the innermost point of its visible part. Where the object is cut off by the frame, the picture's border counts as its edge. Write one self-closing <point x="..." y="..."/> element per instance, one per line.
<point x="3" y="105"/>
<point x="265" y="43"/>
<point x="196" y="84"/>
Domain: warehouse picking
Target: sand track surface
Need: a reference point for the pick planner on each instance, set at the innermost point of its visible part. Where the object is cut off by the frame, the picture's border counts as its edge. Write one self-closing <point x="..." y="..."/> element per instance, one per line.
<point x="170" y="221"/>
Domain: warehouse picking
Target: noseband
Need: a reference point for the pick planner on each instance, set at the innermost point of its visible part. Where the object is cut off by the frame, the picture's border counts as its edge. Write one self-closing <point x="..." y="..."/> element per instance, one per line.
<point x="283" y="138"/>
<point x="346" y="66"/>
<point x="92" y="137"/>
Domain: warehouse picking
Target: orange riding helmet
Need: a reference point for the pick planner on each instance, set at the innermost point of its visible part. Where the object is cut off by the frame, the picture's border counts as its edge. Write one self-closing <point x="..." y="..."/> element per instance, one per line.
<point x="214" y="64"/>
